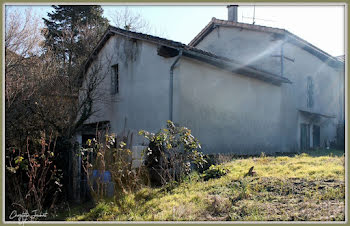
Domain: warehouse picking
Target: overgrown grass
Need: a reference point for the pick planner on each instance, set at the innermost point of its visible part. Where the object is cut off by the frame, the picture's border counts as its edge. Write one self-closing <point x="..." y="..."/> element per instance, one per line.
<point x="302" y="187"/>
<point x="325" y="152"/>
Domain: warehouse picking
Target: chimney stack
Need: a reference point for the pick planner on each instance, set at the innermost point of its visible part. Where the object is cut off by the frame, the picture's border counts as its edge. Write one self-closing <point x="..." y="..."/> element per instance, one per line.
<point x="232" y="13"/>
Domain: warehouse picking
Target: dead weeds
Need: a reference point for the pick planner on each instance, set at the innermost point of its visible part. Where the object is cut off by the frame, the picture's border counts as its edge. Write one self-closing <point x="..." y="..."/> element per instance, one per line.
<point x="292" y="199"/>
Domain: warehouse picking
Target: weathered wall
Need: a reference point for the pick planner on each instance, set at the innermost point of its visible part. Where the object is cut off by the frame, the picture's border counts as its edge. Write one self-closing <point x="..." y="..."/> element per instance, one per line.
<point x="257" y="48"/>
<point x="328" y="93"/>
<point x="225" y="111"/>
<point x="246" y="46"/>
<point x="229" y="113"/>
<point x="143" y="99"/>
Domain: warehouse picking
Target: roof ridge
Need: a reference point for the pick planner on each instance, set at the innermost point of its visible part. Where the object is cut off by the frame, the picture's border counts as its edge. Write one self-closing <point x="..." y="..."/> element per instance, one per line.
<point x="169" y="42"/>
<point x="247" y="24"/>
<point x="144" y="34"/>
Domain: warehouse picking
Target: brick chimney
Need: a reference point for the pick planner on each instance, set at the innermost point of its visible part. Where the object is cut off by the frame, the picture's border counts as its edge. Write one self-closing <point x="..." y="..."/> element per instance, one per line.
<point x="232" y="13"/>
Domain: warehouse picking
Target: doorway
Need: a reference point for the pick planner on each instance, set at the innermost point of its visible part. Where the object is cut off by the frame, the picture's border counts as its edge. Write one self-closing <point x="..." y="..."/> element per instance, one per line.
<point x="316" y="136"/>
<point x="304" y="136"/>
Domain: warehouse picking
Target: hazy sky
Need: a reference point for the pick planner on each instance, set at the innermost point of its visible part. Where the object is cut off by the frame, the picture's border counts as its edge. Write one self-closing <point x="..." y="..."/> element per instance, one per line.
<point x="322" y="26"/>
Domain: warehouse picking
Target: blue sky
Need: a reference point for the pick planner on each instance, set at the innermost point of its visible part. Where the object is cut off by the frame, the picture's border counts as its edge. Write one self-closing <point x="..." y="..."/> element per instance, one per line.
<point x="322" y="26"/>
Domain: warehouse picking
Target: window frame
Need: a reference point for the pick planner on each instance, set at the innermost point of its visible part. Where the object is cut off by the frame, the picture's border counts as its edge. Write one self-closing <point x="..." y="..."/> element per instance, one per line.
<point x="115" y="79"/>
<point x="310" y="92"/>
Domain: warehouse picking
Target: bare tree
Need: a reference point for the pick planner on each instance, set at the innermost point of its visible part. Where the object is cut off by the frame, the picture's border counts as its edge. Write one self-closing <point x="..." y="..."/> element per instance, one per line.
<point x="22" y="40"/>
<point x="129" y="20"/>
<point x="22" y="35"/>
<point x="29" y="179"/>
<point x="40" y="92"/>
<point x="134" y="21"/>
<point x="41" y="97"/>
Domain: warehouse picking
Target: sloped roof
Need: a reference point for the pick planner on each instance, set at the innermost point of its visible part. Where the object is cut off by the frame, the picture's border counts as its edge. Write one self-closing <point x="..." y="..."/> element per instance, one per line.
<point x="312" y="113"/>
<point x="192" y="52"/>
<point x="332" y="61"/>
<point x="341" y="58"/>
<point x="162" y="41"/>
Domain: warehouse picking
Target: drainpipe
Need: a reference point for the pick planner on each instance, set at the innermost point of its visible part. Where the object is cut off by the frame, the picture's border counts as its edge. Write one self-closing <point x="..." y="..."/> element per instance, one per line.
<point x="171" y="90"/>
<point x="282" y="58"/>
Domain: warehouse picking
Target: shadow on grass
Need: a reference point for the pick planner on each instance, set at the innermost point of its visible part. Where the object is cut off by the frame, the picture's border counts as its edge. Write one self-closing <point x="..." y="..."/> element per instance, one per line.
<point x="325" y="152"/>
<point x="72" y="210"/>
<point x="311" y="152"/>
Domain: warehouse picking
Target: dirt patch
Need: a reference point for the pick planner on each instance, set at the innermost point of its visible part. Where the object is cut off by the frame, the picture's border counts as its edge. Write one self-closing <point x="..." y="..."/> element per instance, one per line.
<point x="299" y="210"/>
<point x="291" y="199"/>
<point x="217" y="209"/>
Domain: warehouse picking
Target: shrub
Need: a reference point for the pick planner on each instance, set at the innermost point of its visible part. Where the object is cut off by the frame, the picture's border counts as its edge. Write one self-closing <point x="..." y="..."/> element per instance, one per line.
<point x="170" y="153"/>
<point x="33" y="182"/>
<point x="215" y="171"/>
<point x="110" y="160"/>
<point x="302" y="155"/>
<point x="215" y="159"/>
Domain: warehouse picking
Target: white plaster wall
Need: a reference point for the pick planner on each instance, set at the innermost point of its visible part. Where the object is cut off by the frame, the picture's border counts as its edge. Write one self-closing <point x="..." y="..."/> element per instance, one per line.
<point x="256" y="48"/>
<point x="143" y="99"/>
<point x="228" y="113"/>
<point x="328" y="92"/>
<point x="247" y="46"/>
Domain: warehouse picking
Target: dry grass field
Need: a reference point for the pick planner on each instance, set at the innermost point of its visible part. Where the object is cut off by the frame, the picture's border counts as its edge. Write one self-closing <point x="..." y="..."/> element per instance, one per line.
<point x="305" y="187"/>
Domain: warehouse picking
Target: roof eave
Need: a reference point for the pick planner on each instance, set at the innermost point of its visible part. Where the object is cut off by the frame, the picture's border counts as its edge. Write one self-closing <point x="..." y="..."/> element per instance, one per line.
<point x="323" y="56"/>
<point x="236" y="68"/>
<point x="202" y="34"/>
<point x="316" y="113"/>
<point x="225" y="64"/>
<point x="98" y="47"/>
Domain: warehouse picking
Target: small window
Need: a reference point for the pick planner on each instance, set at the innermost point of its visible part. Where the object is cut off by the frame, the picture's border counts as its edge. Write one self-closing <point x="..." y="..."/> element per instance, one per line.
<point x="115" y="79"/>
<point x="310" y="92"/>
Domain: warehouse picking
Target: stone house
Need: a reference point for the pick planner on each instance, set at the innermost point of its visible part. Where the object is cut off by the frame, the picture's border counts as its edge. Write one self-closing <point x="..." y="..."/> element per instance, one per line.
<point x="240" y="88"/>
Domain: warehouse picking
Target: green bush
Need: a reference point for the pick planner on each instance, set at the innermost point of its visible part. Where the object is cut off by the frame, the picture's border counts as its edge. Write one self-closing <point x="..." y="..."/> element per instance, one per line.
<point x="215" y="171"/>
<point x="170" y="154"/>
